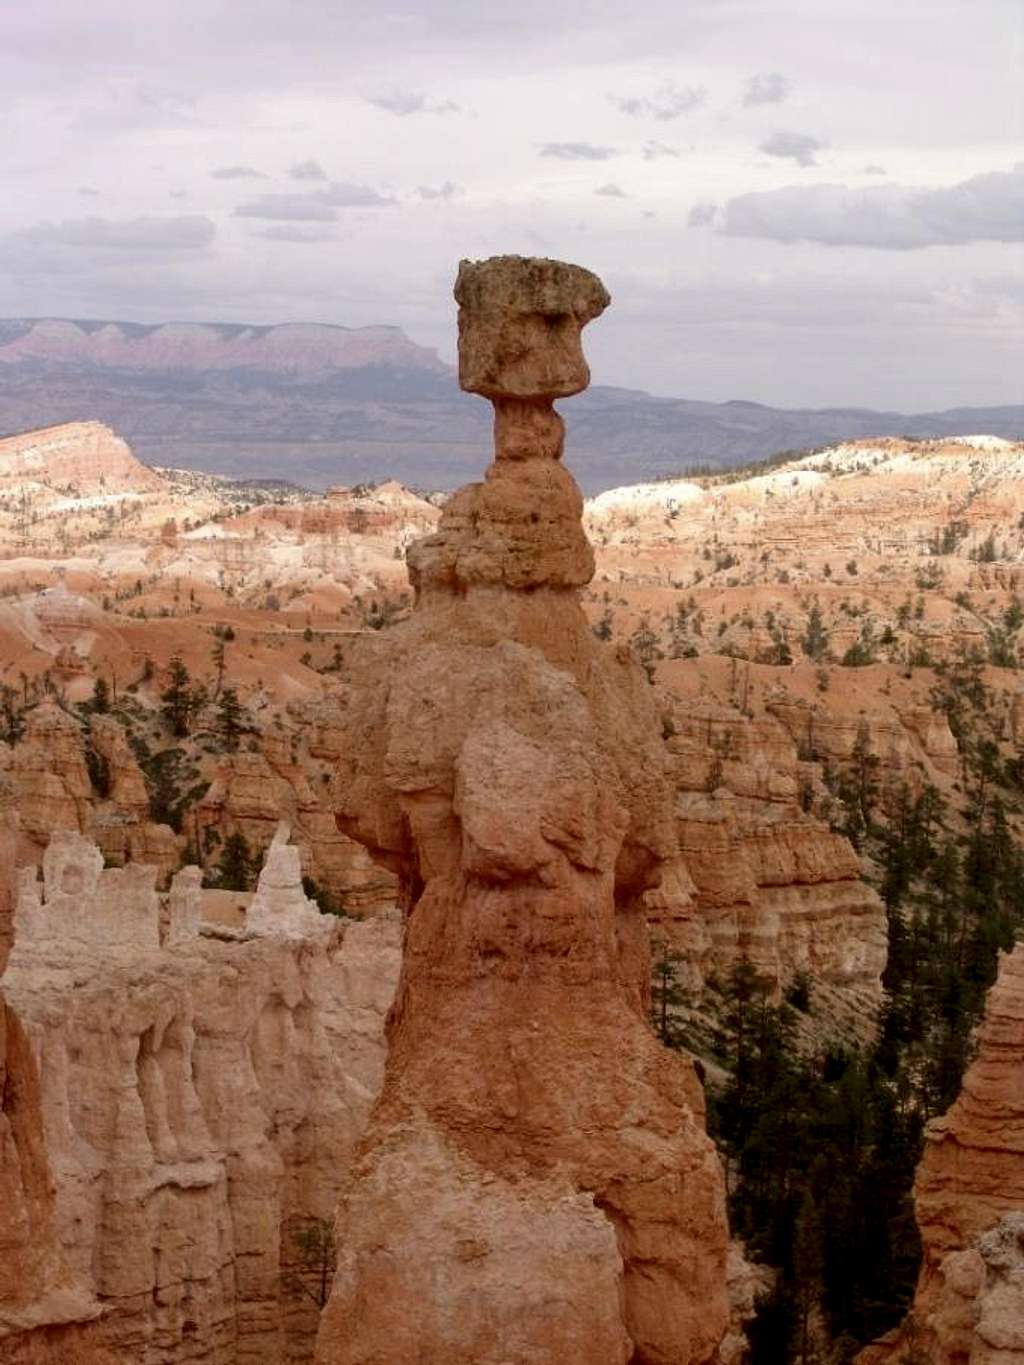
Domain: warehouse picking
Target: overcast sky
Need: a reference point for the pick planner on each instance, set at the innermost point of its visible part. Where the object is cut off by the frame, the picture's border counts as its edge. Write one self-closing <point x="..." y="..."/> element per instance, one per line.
<point x="800" y="202"/>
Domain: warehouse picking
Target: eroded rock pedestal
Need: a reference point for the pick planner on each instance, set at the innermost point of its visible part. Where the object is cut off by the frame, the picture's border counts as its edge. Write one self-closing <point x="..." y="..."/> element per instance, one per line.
<point x="536" y="1184"/>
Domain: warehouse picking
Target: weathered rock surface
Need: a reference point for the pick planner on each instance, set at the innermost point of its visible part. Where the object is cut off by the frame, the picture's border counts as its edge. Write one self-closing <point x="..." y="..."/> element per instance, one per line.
<point x="87" y="456"/>
<point x="969" y="1197"/>
<point x="536" y="1183"/>
<point x="758" y="877"/>
<point x="49" y="777"/>
<point x="185" y="1108"/>
<point x="46" y="1316"/>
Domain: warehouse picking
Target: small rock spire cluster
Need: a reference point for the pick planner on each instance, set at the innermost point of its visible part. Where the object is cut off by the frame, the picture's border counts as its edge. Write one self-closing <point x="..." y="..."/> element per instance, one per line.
<point x="536" y="1183"/>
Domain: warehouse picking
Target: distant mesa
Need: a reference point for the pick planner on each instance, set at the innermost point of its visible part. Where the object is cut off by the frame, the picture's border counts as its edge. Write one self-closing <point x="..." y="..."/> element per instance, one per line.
<point x="291" y="348"/>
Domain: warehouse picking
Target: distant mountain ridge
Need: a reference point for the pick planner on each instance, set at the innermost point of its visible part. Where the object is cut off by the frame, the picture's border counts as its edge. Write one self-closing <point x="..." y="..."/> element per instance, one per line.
<point x="322" y="404"/>
<point x="291" y="348"/>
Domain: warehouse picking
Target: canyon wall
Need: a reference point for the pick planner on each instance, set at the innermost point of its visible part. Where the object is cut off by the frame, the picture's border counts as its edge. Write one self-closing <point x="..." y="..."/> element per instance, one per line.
<point x="537" y="1167"/>
<point x="757" y="876"/>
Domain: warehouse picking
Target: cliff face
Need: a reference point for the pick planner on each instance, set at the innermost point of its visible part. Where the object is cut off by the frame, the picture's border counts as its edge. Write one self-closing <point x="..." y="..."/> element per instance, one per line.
<point x="757" y="876"/>
<point x="46" y="1316"/>
<point x="969" y="1197"/>
<point x="187" y="1108"/>
<point x="537" y="1166"/>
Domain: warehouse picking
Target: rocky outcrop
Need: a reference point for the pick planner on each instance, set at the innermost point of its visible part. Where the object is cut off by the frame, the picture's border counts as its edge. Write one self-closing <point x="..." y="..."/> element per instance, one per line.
<point x="86" y="456"/>
<point x="191" y="1102"/>
<point x="537" y="1167"/>
<point x="969" y="1198"/>
<point x="757" y="876"/>
<point x="48" y="774"/>
<point x="252" y="792"/>
<point x="280" y="908"/>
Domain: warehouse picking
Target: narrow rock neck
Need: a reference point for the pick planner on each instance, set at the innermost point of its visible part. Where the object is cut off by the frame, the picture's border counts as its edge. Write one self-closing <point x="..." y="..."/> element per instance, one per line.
<point x="527" y="429"/>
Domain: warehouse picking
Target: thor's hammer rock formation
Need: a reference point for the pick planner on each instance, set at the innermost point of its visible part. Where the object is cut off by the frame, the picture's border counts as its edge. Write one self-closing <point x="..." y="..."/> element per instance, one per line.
<point x="536" y="1184"/>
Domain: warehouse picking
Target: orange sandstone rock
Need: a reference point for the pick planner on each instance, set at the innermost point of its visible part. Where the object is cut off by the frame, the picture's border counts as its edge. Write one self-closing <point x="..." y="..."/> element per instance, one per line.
<point x="536" y="1183"/>
<point x="969" y="1198"/>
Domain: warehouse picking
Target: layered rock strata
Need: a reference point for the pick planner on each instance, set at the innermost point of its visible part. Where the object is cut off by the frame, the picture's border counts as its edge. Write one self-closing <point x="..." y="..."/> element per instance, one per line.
<point x="758" y="877"/>
<point x="536" y="1183"/>
<point x="969" y="1198"/>
<point x="185" y="1105"/>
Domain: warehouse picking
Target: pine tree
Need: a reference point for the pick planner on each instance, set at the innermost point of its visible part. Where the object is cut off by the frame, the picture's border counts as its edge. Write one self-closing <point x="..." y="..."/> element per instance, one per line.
<point x="229" y="718"/>
<point x="236" y="870"/>
<point x="100" y="696"/>
<point x="666" y="995"/>
<point x="816" y="638"/>
<point x="177" y="698"/>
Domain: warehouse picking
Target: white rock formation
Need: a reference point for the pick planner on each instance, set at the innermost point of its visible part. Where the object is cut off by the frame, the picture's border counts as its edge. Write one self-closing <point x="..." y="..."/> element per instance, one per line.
<point x="280" y="907"/>
<point x="200" y="1102"/>
<point x="82" y="904"/>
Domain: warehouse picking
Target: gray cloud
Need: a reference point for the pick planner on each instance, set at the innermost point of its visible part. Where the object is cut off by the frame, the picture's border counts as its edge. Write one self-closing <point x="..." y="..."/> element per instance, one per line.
<point x="307" y="170"/>
<point x="238" y="173"/>
<point x="702" y="214"/>
<point x="88" y="192"/>
<point x="127" y="105"/>
<point x="667" y="102"/>
<point x="405" y="102"/>
<point x="798" y="147"/>
<point x="283" y="232"/>
<point x="316" y="206"/>
<point x="342" y="195"/>
<point x="446" y="191"/>
<point x="189" y="233"/>
<point x="301" y="208"/>
<point x="766" y="87"/>
<point x="652" y="150"/>
<point x="577" y="151"/>
<point x="611" y="191"/>
<point x="874" y="169"/>
<point x="894" y="217"/>
<point x="91" y="247"/>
